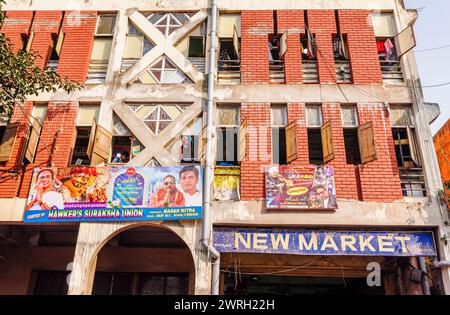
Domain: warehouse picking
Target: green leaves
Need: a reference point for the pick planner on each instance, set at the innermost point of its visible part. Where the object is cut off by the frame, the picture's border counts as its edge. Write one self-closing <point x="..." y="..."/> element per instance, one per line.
<point x="20" y="77"/>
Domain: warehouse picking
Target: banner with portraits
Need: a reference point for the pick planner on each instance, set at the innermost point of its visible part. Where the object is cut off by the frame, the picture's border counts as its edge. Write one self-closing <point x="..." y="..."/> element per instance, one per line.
<point x="123" y="193"/>
<point x="300" y="187"/>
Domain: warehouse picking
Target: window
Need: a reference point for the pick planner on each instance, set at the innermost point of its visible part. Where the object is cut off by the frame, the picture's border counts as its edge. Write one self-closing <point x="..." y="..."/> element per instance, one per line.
<point x="158" y="120"/>
<point x="103" y="37"/>
<point x="407" y="151"/>
<point x="50" y="282"/>
<point x="27" y="40"/>
<point x="229" y="42"/>
<point x="163" y="71"/>
<point x="314" y="123"/>
<point x="196" y="46"/>
<point x="383" y="24"/>
<point x="86" y="115"/>
<point x="127" y="283"/>
<point x="350" y="129"/>
<point x="169" y="22"/>
<point x="57" y="42"/>
<point x="228" y="118"/>
<point x="122" y="141"/>
<point x="137" y="45"/>
<point x="190" y="142"/>
<point x="278" y="121"/>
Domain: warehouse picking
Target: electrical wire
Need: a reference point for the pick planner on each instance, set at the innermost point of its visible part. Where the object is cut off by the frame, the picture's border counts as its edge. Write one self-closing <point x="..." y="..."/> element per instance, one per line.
<point x="431" y="49"/>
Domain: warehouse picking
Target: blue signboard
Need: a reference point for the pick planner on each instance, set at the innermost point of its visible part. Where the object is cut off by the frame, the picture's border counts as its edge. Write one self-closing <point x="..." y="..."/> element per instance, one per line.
<point x="312" y="242"/>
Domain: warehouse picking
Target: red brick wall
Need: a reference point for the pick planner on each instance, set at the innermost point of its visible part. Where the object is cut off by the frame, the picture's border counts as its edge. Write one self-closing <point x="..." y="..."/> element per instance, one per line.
<point x="59" y="116"/>
<point x="17" y="23"/>
<point x="380" y="179"/>
<point x="375" y="181"/>
<point x="9" y="182"/>
<point x="361" y="45"/>
<point x="345" y="174"/>
<point x="258" y="152"/>
<point x="255" y="27"/>
<point x="44" y="24"/>
<point x="322" y="23"/>
<point x="442" y="145"/>
<point x="293" y="22"/>
<point x="79" y="28"/>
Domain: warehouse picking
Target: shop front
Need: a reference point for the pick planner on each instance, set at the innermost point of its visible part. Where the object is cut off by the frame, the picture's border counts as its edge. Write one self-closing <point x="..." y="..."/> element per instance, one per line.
<point x="321" y="261"/>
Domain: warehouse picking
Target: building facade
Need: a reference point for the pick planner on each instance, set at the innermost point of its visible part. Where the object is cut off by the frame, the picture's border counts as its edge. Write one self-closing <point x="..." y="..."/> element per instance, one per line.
<point x="441" y="143"/>
<point x="306" y="89"/>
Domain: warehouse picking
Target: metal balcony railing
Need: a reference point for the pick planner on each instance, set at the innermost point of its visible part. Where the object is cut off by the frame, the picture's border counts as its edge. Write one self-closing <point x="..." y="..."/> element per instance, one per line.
<point x="343" y="71"/>
<point x="53" y="65"/>
<point x="391" y="71"/>
<point x="309" y="71"/>
<point x="229" y="71"/>
<point x="97" y="71"/>
<point x="412" y="181"/>
<point x="276" y="71"/>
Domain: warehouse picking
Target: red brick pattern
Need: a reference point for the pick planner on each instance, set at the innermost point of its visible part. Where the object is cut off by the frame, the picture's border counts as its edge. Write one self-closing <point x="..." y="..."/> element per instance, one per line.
<point x="15" y="24"/>
<point x="361" y="45"/>
<point x="345" y="174"/>
<point x="258" y="153"/>
<point x="442" y="145"/>
<point x="44" y="24"/>
<point x="79" y="28"/>
<point x="293" y="22"/>
<point x="60" y="116"/>
<point x="322" y="23"/>
<point x="380" y="179"/>
<point x="255" y="27"/>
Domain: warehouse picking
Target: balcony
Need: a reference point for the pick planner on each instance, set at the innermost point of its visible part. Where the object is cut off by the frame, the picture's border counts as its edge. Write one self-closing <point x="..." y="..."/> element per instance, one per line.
<point x="343" y="71"/>
<point x="199" y="63"/>
<point x="309" y="71"/>
<point x="229" y="71"/>
<point x="412" y="181"/>
<point x="52" y="65"/>
<point x="276" y="71"/>
<point x="391" y="71"/>
<point x="97" y="71"/>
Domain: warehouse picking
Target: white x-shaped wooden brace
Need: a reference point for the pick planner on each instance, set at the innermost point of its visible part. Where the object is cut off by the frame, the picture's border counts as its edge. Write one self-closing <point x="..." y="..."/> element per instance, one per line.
<point x="154" y="145"/>
<point x="164" y="46"/>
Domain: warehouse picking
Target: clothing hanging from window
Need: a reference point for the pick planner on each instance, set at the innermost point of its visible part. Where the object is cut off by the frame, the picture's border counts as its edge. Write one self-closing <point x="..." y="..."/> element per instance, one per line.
<point x="390" y="55"/>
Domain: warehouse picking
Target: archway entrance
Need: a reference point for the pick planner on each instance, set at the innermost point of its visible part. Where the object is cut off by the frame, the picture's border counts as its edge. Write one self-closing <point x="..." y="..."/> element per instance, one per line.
<point x="144" y="260"/>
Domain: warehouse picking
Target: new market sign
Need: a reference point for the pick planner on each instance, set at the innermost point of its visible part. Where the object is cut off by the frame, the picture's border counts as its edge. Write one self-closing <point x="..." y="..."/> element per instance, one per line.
<point x="114" y="194"/>
<point x="308" y="242"/>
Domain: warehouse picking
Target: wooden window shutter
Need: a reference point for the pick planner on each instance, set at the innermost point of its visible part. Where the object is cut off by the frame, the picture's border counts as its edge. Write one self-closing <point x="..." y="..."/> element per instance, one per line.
<point x="202" y="149"/>
<point x="291" y="141"/>
<point x="59" y="43"/>
<point x="102" y="142"/>
<point x="366" y="140"/>
<point x="236" y="42"/>
<point x="8" y="141"/>
<point x="92" y="138"/>
<point x="243" y="140"/>
<point x="327" y="142"/>
<point x="29" y="42"/>
<point x="412" y="145"/>
<point x="33" y="141"/>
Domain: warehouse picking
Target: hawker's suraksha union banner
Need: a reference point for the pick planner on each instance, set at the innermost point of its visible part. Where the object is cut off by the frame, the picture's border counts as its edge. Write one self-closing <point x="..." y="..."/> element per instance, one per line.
<point x="123" y="193"/>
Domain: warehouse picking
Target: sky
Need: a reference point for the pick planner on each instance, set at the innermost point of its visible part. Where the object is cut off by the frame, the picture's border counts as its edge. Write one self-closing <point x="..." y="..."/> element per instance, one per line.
<point x="432" y="29"/>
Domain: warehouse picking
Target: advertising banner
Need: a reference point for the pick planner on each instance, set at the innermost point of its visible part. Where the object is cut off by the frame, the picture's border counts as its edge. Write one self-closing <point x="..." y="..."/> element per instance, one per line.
<point x="300" y="187"/>
<point x="80" y="194"/>
<point x="311" y="242"/>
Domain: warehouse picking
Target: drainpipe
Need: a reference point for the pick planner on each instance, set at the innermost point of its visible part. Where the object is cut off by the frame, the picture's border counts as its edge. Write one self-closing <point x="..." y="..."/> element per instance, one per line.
<point x="425" y="282"/>
<point x="209" y="168"/>
<point x="441" y="264"/>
